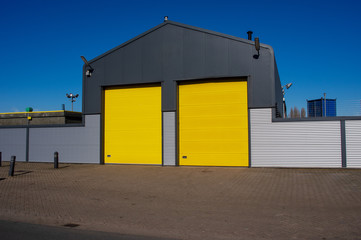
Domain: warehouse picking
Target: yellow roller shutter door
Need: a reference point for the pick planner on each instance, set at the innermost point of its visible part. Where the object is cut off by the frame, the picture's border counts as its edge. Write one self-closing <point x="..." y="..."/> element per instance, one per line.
<point x="213" y="124"/>
<point x="133" y="125"/>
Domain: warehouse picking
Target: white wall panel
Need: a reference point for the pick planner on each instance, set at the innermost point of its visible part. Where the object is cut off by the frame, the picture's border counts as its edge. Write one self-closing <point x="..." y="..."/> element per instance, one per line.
<point x="293" y="144"/>
<point x="353" y="143"/>
<point x="169" y="139"/>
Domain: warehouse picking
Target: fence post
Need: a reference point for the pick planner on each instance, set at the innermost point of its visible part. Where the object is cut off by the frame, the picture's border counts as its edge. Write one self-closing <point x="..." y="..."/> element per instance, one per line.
<point x="56" y="159"/>
<point x="12" y="166"/>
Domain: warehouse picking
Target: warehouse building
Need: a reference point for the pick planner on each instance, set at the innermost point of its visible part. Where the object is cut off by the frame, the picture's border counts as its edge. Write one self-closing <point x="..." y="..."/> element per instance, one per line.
<point x="179" y="95"/>
<point x="180" y="88"/>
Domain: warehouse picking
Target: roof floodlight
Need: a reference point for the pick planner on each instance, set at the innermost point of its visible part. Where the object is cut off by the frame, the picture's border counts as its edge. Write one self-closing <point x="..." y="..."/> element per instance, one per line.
<point x="72" y="98"/>
<point x="257" y="46"/>
<point x="89" y="71"/>
<point x="287" y="86"/>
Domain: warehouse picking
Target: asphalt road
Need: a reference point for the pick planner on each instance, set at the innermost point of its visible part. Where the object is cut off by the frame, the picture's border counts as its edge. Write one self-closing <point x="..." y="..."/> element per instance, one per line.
<point x="25" y="231"/>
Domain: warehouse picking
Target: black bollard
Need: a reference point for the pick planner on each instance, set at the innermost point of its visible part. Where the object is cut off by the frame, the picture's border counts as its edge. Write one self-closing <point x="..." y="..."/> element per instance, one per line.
<point x="0" y="159"/>
<point x="56" y="160"/>
<point x="12" y="166"/>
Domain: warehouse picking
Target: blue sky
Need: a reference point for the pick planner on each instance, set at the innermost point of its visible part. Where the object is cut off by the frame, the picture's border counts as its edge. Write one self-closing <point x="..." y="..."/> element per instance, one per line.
<point x="316" y="43"/>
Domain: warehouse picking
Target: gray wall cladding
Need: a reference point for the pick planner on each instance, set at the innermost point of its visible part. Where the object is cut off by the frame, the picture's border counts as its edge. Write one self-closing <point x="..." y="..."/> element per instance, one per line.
<point x="74" y="144"/>
<point x="169" y="138"/>
<point x="174" y="52"/>
<point x="294" y="144"/>
<point x="353" y="143"/>
<point x="13" y="143"/>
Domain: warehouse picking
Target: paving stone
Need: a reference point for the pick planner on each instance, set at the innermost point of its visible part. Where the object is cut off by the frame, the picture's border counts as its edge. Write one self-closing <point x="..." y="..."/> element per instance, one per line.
<point x="186" y="202"/>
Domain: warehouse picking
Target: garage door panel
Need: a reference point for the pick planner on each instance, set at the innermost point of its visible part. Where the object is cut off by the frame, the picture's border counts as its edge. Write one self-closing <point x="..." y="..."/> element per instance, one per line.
<point x="132" y="125"/>
<point x="213" y="124"/>
<point x="212" y="99"/>
<point x="212" y="146"/>
<point x="142" y="146"/>
<point x="137" y="123"/>
<point x="206" y="97"/>
<point x="219" y="133"/>
<point x="209" y="122"/>
<point x="212" y="159"/>
<point x="124" y="149"/>
<point x="131" y="137"/>
<point x="133" y="111"/>
<point x="129" y="158"/>
<point x="191" y="110"/>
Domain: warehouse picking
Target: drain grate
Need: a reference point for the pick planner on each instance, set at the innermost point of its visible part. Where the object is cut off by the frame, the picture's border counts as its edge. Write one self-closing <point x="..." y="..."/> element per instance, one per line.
<point x="71" y="225"/>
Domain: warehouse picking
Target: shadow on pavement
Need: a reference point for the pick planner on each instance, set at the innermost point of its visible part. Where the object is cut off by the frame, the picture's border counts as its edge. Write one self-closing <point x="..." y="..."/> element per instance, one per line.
<point x="21" y="172"/>
<point x="60" y="167"/>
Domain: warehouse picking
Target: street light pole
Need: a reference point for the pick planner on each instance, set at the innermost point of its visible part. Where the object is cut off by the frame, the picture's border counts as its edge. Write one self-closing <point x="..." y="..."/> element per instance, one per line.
<point x="287" y="86"/>
<point x="72" y="99"/>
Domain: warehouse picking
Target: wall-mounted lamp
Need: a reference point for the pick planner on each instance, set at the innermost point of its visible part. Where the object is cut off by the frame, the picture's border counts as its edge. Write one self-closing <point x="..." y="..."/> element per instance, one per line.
<point x="287" y="86"/>
<point x="165" y="18"/>
<point x="89" y="71"/>
<point x="257" y="46"/>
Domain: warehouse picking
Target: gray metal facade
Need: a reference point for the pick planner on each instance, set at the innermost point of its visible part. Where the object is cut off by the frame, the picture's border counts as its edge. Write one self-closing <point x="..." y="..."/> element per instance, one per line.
<point x="294" y="144"/>
<point x="169" y="138"/>
<point x="13" y="143"/>
<point x="353" y="143"/>
<point x="74" y="144"/>
<point x="173" y="52"/>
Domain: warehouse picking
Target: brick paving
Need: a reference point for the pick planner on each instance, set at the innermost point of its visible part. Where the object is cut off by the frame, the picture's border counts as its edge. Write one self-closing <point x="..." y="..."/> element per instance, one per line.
<point x="186" y="202"/>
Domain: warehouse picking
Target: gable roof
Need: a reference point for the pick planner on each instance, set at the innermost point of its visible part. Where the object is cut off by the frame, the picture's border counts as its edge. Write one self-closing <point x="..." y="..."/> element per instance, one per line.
<point x="246" y="41"/>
